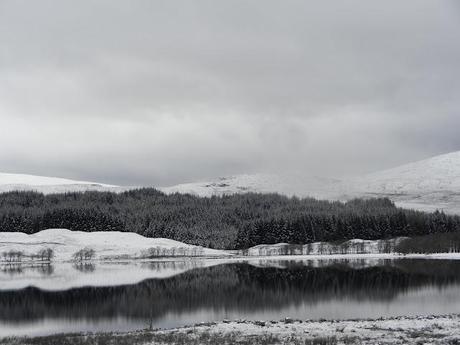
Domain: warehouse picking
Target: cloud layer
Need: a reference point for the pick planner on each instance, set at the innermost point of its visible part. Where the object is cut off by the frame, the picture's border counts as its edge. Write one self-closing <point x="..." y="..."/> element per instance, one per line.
<point x="161" y="92"/>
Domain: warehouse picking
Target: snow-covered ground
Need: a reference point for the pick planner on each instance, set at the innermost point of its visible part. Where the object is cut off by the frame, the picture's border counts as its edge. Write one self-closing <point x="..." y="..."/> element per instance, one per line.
<point x="435" y="330"/>
<point x="399" y="330"/>
<point x="114" y="245"/>
<point x="107" y="245"/>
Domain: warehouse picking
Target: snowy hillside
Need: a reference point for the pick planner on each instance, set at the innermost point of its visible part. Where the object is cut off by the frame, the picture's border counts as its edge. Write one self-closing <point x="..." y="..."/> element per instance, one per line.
<point x="440" y="173"/>
<point x="23" y="182"/>
<point x="107" y="245"/>
<point x="425" y="185"/>
<point x="292" y="184"/>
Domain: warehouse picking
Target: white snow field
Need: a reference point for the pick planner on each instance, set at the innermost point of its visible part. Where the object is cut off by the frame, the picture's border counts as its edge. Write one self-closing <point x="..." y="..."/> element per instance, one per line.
<point x="107" y="245"/>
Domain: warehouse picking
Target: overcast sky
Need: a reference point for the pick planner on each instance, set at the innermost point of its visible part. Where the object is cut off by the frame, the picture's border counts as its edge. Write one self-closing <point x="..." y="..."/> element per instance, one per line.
<point x="162" y="92"/>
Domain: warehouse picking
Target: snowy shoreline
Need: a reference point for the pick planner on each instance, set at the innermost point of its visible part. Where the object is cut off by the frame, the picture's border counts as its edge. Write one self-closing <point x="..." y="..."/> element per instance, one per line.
<point x="105" y="244"/>
<point x="432" y="329"/>
<point x="397" y="330"/>
<point x="127" y="247"/>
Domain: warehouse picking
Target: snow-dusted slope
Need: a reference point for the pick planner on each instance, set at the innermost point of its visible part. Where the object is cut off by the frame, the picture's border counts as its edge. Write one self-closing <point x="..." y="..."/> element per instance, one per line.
<point x="425" y="185"/>
<point x="15" y="179"/>
<point x="12" y="182"/>
<point x="440" y="173"/>
<point x="107" y="245"/>
<point x="292" y="184"/>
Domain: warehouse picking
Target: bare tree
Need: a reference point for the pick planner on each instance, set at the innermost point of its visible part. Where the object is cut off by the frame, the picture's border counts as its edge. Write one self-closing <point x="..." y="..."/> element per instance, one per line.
<point x="13" y="256"/>
<point x="84" y="254"/>
<point x="45" y="254"/>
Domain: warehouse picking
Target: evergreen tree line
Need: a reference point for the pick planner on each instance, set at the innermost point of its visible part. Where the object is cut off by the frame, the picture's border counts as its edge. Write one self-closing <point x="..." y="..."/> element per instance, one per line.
<point x="230" y="222"/>
<point x="308" y="228"/>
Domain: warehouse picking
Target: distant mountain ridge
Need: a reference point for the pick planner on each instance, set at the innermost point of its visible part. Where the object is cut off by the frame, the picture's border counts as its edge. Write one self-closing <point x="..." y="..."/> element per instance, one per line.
<point x="427" y="185"/>
<point x="47" y="185"/>
<point x="292" y="184"/>
<point x="434" y="174"/>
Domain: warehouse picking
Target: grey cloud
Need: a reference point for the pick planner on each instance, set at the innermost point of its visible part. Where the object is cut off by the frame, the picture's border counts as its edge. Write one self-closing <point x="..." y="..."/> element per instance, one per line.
<point x="158" y="92"/>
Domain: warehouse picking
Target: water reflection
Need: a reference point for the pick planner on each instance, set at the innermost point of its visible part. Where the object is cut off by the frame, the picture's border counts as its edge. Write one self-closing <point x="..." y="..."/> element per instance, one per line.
<point x="85" y="267"/>
<point x="263" y="289"/>
<point x="15" y="269"/>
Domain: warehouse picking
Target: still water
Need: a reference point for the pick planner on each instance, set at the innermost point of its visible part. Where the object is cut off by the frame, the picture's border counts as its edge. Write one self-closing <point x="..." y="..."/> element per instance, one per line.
<point x="41" y="300"/>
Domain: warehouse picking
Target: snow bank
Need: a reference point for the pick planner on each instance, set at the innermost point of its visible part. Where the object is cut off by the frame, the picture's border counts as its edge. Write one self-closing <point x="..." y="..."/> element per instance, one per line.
<point x="107" y="245"/>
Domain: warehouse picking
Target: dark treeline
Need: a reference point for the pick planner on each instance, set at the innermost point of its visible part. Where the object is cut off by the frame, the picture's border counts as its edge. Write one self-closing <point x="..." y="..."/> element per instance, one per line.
<point x="235" y="221"/>
<point x="429" y="244"/>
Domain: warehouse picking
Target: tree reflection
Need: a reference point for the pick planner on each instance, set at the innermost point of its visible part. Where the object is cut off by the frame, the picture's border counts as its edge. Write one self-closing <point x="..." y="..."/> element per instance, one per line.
<point x="13" y="269"/>
<point x="238" y="287"/>
<point x="85" y="267"/>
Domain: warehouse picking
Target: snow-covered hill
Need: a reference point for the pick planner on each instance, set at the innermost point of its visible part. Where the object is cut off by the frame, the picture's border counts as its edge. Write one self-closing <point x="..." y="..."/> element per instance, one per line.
<point x="47" y="185"/>
<point x="429" y="184"/>
<point x="440" y="173"/>
<point x="292" y="184"/>
<point x="425" y="185"/>
<point x="106" y="245"/>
